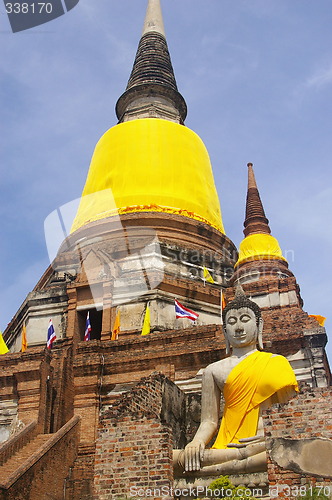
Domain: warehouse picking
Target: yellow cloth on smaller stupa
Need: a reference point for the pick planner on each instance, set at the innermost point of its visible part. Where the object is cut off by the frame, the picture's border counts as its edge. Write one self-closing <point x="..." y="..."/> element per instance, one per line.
<point x="251" y="382"/>
<point x="259" y="247"/>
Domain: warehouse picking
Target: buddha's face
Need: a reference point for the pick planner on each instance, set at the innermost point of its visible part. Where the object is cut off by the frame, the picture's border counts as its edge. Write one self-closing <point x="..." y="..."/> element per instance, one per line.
<point x="241" y="327"/>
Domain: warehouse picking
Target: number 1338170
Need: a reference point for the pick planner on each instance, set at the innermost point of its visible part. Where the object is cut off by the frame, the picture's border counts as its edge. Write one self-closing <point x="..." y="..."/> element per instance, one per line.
<point x="29" y="8"/>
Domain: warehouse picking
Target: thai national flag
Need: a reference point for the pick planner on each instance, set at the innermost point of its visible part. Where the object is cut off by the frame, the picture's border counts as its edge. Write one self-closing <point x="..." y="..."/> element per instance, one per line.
<point x="51" y="337"/>
<point x="184" y="312"/>
<point x="87" y="328"/>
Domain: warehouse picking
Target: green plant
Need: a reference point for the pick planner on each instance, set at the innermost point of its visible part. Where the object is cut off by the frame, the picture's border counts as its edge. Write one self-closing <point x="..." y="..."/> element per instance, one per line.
<point x="224" y="488"/>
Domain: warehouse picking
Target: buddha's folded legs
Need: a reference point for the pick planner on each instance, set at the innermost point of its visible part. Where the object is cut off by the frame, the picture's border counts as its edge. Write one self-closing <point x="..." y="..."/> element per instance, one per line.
<point x="252" y="458"/>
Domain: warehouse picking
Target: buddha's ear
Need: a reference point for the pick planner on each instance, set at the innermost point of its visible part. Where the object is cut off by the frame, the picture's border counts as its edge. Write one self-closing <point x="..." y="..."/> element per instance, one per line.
<point x="260" y="334"/>
<point x="228" y="345"/>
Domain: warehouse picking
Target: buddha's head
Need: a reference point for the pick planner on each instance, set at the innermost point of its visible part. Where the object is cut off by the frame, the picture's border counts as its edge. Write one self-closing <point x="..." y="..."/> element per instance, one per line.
<point x="242" y="322"/>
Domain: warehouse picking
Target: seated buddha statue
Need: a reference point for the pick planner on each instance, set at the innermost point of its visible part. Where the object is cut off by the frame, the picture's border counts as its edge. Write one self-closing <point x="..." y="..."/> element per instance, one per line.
<point x="250" y="380"/>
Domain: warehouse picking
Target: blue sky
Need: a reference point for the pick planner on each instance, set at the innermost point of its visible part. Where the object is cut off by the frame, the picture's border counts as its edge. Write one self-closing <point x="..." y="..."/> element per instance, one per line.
<point x="257" y="78"/>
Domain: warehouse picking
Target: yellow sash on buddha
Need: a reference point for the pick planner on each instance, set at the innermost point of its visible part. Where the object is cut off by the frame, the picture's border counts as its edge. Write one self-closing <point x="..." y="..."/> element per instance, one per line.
<point x="254" y="380"/>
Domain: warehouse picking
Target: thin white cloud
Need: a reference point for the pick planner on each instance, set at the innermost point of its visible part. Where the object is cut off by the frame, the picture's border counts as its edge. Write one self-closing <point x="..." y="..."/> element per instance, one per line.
<point x="320" y="78"/>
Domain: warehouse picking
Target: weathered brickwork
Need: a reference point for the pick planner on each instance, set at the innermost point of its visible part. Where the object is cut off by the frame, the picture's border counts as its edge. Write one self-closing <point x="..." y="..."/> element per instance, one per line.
<point x="308" y="415"/>
<point x="79" y="483"/>
<point x="62" y="392"/>
<point x="135" y="443"/>
<point x="133" y="454"/>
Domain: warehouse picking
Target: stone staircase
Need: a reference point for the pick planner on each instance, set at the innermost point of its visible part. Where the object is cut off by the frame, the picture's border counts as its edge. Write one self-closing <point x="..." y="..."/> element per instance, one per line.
<point x="18" y="459"/>
<point x="35" y="466"/>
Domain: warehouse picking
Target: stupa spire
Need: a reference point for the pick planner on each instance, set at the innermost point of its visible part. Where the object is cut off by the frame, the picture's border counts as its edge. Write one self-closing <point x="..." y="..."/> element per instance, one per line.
<point x="258" y="243"/>
<point x="154" y="18"/>
<point x="152" y="90"/>
<point x="149" y="161"/>
<point x="255" y="221"/>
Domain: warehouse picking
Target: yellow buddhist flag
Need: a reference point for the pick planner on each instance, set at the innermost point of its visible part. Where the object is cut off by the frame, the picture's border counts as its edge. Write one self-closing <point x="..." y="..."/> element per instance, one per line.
<point x="116" y="327"/>
<point x="3" y="347"/>
<point x="24" y="338"/>
<point x="146" y="322"/>
<point x="223" y="301"/>
<point x="207" y="276"/>
<point x="321" y="320"/>
<point x="223" y="304"/>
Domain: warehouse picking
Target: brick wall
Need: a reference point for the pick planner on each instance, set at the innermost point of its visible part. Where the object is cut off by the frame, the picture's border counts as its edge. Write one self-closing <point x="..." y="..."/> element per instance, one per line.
<point x="307" y="416"/>
<point x="79" y="483"/>
<point x="62" y="393"/>
<point x="135" y="442"/>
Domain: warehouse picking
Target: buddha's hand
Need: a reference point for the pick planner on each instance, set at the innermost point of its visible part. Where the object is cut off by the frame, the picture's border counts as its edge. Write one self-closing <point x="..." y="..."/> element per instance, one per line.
<point x="193" y="455"/>
<point x="259" y="438"/>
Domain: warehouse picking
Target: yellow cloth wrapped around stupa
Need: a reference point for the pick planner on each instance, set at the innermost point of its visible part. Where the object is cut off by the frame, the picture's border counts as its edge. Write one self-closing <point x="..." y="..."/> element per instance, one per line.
<point x="150" y="165"/>
<point x="254" y="380"/>
<point x="258" y="247"/>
